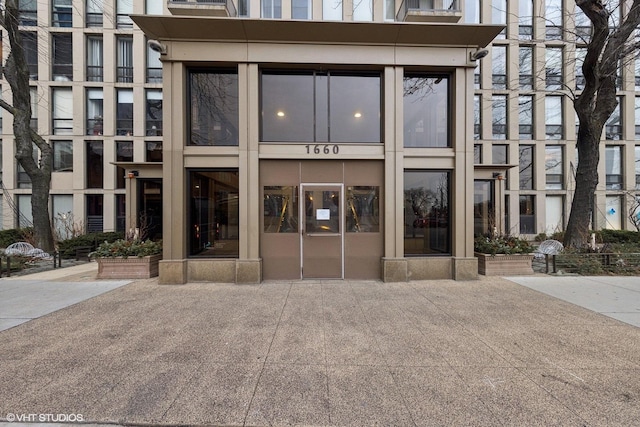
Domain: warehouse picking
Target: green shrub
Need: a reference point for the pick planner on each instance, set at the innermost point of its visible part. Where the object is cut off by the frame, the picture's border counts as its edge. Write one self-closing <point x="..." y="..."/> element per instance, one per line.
<point x="127" y="248"/>
<point x="502" y="244"/>
<point x="14" y="235"/>
<point x="67" y="248"/>
<point x="618" y="236"/>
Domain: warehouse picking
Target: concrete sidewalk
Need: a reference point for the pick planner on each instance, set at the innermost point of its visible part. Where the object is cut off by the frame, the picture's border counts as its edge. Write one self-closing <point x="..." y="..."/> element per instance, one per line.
<point x="23" y="298"/>
<point x="487" y="352"/>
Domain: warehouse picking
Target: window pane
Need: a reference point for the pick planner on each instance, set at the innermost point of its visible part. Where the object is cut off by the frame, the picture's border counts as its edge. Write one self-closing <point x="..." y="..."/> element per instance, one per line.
<point x="426" y="213"/>
<point x="354" y="106"/>
<point x="62" y="214"/>
<point x="95" y="164"/>
<point x="527" y="215"/>
<point x="526" y="167"/>
<point x="499" y="66"/>
<point x="287" y="107"/>
<point x="499" y="116"/>
<point x="500" y="154"/>
<point x="613" y="167"/>
<point x="525" y="116"/>
<point x="213" y="213"/>
<point x="124" y="112"/>
<point x="154" y="113"/>
<point x="363" y="209"/>
<point x="363" y="10"/>
<point x="94" y="111"/>
<point x="94" y="59"/>
<point x="426" y="111"/>
<point x="61" y="13"/>
<point x="62" y="156"/>
<point x="332" y="10"/>
<point x="281" y="209"/>
<point x="62" y="111"/>
<point x="213" y="108"/>
<point x="272" y="9"/>
<point x="153" y="151"/>
<point x="553" y="164"/>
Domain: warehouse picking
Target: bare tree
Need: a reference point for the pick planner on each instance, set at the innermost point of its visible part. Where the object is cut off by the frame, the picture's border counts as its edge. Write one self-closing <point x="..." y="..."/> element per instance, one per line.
<point x="16" y="72"/>
<point x="605" y="50"/>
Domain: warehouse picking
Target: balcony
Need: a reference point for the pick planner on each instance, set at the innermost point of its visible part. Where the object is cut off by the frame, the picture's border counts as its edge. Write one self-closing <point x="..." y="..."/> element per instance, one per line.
<point x="224" y="8"/>
<point x="429" y="11"/>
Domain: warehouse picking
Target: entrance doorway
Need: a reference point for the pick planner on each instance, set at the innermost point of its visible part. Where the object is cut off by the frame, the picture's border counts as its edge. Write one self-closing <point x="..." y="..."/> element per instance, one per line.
<point x="322" y="236"/>
<point x="321" y="219"/>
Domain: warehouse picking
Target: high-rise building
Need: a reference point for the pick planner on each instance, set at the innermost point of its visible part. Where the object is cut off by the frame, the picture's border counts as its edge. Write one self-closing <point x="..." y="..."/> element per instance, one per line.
<point x="285" y="123"/>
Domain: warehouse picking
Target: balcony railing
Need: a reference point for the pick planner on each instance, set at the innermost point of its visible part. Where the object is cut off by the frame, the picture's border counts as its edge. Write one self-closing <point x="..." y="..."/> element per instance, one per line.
<point x="429" y="11"/>
<point x="203" y="7"/>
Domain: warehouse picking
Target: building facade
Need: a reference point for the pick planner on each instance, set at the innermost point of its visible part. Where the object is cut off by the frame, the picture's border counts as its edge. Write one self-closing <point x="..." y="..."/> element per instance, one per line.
<point x="310" y="139"/>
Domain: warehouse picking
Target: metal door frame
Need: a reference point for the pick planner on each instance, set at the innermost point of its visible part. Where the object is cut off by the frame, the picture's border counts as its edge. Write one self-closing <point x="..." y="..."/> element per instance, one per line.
<point x="302" y="222"/>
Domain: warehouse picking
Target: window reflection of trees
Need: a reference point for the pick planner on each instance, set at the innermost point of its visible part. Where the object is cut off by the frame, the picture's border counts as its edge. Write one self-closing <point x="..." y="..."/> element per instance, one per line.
<point x="214" y="108"/>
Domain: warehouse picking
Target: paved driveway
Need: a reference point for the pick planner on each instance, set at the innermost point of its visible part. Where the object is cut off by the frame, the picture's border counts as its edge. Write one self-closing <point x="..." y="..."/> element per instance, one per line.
<point x="487" y="352"/>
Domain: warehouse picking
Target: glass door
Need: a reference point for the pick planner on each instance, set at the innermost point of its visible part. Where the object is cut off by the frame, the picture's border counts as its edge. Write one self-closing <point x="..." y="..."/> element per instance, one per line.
<point x="322" y="231"/>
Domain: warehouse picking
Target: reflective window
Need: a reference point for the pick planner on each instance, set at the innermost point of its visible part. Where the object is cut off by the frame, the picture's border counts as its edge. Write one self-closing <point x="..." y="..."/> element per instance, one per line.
<point x="527" y="214"/>
<point x="28" y="12"/>
<point x="477" y="117"/>
<point x="154" y="66"/>
<point x="94" y="13"/>
<point x="526" y="167"/>
<point x="553" y="68"/>
<point x="553" y="19"/>
<point x="583" y="26"/>
<point x="94" y="111"/>
<point x="153" y="7"/>
<point x="62" y="216"/>
<point x="124" y="112"/>
<point x="525" y="116"/>
<point x="471" y="11"/>
<point x="525" y="19"/>
<point x="613" y="127"/>
<point x="272" y="9"/>
<point x="281" y="209"/>
<point x="484" y="219"/>
<point x="320" y="107"/>
<point x="124" y="63"/>
<point x="553" y="165"/>
<point x="363" y="10"/>
<point x="153" y="151"/>
<point x="332" y="10"/>
<point x="500" y="154"/>
<point x="62" y="156"/>
<point x="124" y="153"/>
<point x="62" y="54"/>
<point x="213" y="108"/>
<point x="61" y="13"/>
<point x="637" y="166"/>
<point x="363" y="209"/>
<point x="477" y="154"/>
<point x="499" y="66"/>
<point x="124" y="8"/>
<point x="30" y="45"/>
<point x="426" y="111"/>
<point x="613" y="167"/>
<point x="580" y="55"/>
<point x="554" y="212"/>
<point x="94" y="165"/>
<point x="637" y="117"/>
<point x="95" y="59"/>
<point x="95" y="213"/>
<point x="554" y="127"/>
<point x="427" y="216"/>
<point x="213" y="213"/>
<point x="525" y="62"/>
<point x="499" y="15"/>
<point x="62" y="111"/>
<point x="154" y="112"/>
<point x="499" y="116"/>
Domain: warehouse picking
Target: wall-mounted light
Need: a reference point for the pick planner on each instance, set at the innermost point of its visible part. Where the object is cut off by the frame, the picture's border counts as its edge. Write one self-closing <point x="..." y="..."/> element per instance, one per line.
<point x="498" y="176"/>
<point x="132" y="174"/>
<point x="478" y="54"/>
<point x="156" y="46"/>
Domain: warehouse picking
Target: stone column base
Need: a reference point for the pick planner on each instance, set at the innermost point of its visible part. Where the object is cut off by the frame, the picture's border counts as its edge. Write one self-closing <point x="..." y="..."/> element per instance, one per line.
<point x="394" y="270"/>
<point x="465" y="268"/>
<point x="248" y="271"/>
<point x="172" y="272"/>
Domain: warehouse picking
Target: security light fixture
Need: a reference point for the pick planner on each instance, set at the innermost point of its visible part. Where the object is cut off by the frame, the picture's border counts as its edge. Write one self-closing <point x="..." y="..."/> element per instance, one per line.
<point x="478" y="54"/>
<point x="156" y="46"/>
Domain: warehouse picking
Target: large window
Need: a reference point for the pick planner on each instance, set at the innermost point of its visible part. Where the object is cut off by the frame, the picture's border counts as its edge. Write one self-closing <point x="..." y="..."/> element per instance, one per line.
<point x="363" y="10"/>
<point x="154" y="66"/>
<point x="554" y="168"/>
<point x="427" y="215"/>
<point x="61" y="13"/>
<point x="426" y="111"/>
<point x="553" y="19"/>
<point x="280" y="209"/>
<point x="301" y="9"/>
<point x="499" y="66"/>
<point x="272" y="9"/>
<point x="528" y="214"/>
<point x="62" y="156"/>
<point x="62" y="54"/>
<point x="553" y="68"/>
<point x="154" y="112"/>
<point x="525" y="62"/>
<point x="499" y="116"/>
<point x="94" y="13"/>
<point x="332" y="10"/>
<point x="124" y="8"/>
<point x="30" y="45"/>
<point x="525" y="19"/>
<point x="613" y="127"/>
<point x="124" y="112"/>
<point x="95" y="59"/>
<point x="124" y="67"/>
<point x="477" y="117"/>
<point x="213" y="108"/>
<point x="311" y="106"/>
<point x="525" y="116"/>
<point x="636" y="165"/>
<point x="363" y="209"/>
<point x="95" y="213"/>
<point x="613" y="167"/>
<point x="581" y="53"/>
<point x="124" y="153"/>
<point x="213" y="213"/>
<point x="62" y="111"/>
<point x="28" y="12"/>
<point x="95" y="111"/>
<point x="526" y="167"/>
<point x="95" y="164"/>
<point x="62" y="216"/>
<point x="554" y="127"/>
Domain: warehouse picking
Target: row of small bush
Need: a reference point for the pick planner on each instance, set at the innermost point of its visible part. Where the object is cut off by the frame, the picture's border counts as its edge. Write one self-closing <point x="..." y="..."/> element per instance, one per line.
<point x="67" y="248"/>
<point x="14" y="235"/>
<point x="602" y="236"/>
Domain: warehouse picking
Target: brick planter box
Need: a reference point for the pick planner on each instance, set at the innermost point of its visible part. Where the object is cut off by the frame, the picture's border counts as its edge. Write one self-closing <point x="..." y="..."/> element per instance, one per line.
<point x="128" y="268"/>
<point x="504" y="265"/>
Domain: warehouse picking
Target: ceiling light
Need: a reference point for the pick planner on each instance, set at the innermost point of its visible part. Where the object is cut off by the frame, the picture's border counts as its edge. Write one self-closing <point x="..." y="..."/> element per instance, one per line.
<point x="357" y="115"/>
<point x="280" y="114"/>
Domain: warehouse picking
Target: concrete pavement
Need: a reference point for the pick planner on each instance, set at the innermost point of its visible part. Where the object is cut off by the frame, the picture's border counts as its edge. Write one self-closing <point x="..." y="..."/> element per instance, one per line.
<point x="488" y="352"/>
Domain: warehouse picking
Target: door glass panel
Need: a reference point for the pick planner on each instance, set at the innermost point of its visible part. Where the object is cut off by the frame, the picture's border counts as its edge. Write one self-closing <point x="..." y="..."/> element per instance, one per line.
<point x="363" y="209"/>
<point x="483" y="207"/>
<point x="280" y="209"/>
<point x="322" y="211"/>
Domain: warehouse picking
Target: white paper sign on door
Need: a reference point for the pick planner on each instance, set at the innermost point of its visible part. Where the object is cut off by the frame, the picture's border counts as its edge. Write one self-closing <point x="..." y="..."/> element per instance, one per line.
<point x="323" y="214"/>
